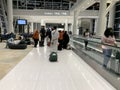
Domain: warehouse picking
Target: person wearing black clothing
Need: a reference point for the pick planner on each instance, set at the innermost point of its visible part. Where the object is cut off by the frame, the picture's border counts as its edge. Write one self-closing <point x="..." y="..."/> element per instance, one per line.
<point x="42" y="34"/>
<point x="65" y="40"/>
<point x="86" y="35"/>
<point x="48" y="34"/>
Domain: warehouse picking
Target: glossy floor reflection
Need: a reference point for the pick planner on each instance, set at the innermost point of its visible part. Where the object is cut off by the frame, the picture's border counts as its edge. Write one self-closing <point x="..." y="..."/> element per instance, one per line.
<point x="35" y="72"/>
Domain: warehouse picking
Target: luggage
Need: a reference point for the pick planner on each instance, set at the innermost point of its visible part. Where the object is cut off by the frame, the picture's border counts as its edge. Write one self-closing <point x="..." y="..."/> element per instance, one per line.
<point x="118" y="55"/>
<point x="59" y="47"/>
<point x="41" y="43"/>
<point x="115" y="63"/>
<point x="117" y="66"/>
<point x="48" y="44"/>
<point x="69" y="47"/>
<point x="53" y="57"/>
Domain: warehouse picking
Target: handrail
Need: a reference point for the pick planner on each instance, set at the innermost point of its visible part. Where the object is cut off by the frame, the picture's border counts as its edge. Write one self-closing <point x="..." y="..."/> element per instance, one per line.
<point x="91" y="40"/>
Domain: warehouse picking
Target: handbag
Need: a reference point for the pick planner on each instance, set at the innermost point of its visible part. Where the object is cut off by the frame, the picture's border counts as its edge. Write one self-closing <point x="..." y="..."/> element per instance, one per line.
<point x="48" y="43"/>
<point x="118" y="55"/>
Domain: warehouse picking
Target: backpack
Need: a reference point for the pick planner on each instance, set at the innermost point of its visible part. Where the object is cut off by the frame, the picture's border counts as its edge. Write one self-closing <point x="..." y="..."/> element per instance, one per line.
<point x="53" y="57"/>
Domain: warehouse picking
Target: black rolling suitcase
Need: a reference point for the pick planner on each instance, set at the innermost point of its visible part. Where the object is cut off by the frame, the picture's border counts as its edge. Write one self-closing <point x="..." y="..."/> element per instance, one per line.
<point x="59" y="47"/>
<point x="53" y="57"/>
<point x="41" y="43"/>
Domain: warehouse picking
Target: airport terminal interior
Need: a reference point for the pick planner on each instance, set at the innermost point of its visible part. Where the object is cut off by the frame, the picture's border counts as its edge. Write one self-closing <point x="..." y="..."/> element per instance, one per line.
<point x="80" y="63"/>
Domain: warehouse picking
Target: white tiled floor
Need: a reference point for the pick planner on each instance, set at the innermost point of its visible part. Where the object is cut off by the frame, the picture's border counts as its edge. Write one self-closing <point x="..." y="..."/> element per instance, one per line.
<point x="35" y="72"/>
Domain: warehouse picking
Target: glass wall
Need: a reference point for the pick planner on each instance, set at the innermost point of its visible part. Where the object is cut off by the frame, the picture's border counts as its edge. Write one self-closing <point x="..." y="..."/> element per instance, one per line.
<point x="117" y="20"/>
<point x="42" y="4"/>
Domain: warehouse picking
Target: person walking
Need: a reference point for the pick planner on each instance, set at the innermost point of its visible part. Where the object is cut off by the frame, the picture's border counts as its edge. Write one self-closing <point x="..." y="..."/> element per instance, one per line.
<point x="86" y="35"/>
<point x="60" y="40"/>
<point x="54" y="41"/>
<point x="108" y="38"/>
<point x="66" y="40"/>
<point x="42" y="34"/>
<point x="48" y="36"/>
<point x="36" y="38"/>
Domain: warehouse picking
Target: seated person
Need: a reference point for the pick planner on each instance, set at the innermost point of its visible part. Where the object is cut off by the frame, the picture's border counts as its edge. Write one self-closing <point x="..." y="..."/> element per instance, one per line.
<point x="18" y="40"/>
<point x="12" y="41"/>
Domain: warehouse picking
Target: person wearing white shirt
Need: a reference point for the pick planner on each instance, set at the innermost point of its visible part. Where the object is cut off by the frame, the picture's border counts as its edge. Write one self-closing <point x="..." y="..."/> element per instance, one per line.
<point x="54" y="41"/>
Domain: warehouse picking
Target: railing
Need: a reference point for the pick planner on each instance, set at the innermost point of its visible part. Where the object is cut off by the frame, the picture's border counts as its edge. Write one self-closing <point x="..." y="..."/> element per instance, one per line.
<point x="95" y="51"/>
<point x="94" y="57"/>
<point x="93" y="42"/>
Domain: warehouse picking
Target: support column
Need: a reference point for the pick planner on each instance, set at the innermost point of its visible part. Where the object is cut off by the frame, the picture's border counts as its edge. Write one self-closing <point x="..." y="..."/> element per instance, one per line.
<point x="80" y="27"/>
<point x="101" y="26"/>
<point x="66" y="25"/>
<point x="10" y="16"/>
<point x="77" y="25"/>
<point x="70" y="5"/>
<point x="31" y="27"/>
<point x="72" y="28"/>
<point x="111" y="17"/>
<point x="1" y="30"/>
<point x="91" y="25"/>
<point x="75" y="31"/>
<point x="79" y="22"/>
<point x="95" y="27"/>
<point x="42" y="22"/>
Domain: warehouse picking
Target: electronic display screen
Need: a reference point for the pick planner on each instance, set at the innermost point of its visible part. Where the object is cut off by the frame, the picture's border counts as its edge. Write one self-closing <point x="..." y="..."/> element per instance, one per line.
<point x="21" y="21"/>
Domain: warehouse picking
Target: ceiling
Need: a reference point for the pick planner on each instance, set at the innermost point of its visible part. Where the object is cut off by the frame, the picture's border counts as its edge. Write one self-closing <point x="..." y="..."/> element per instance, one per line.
<point x="43" y="4"/>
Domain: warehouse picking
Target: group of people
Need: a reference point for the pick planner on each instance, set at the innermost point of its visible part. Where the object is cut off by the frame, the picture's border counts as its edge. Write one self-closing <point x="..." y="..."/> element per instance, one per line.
<point x="60" y="39"/>
<point x="39" y="36"/>
<point x="107" y="39"/>
<point x="53" y="36"/>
